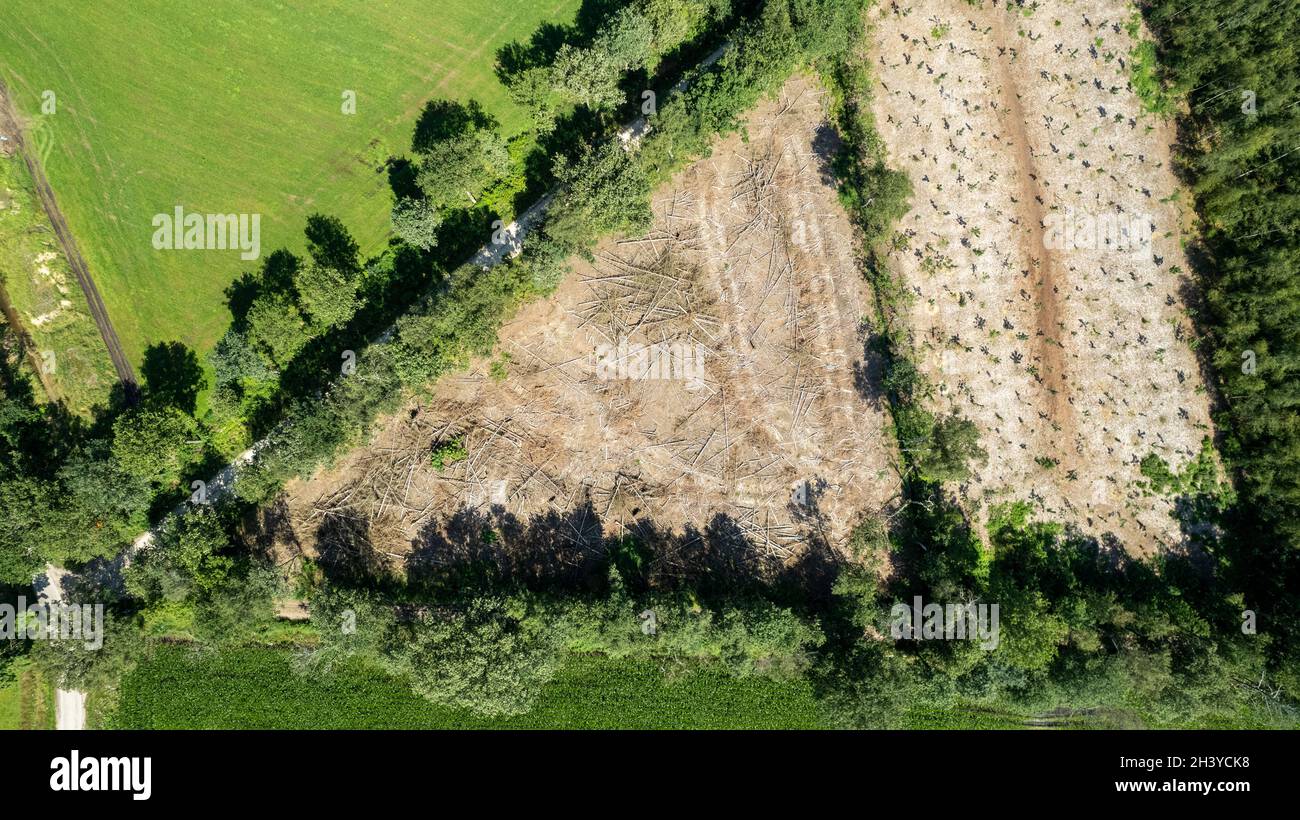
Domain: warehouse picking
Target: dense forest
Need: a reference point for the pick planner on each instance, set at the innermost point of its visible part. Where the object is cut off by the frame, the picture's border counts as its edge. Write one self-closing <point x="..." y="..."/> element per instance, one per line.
<point x="1236" y="64"/>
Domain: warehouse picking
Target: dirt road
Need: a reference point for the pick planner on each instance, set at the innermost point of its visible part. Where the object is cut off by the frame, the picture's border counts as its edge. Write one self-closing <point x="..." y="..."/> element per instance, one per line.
<point x="69" y="704"/>
<point x="10" y="125"/>
<point x="70" y="710"/>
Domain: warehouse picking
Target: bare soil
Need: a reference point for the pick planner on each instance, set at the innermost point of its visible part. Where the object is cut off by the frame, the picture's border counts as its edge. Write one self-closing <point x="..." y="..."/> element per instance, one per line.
<point x="1073" y="360"/>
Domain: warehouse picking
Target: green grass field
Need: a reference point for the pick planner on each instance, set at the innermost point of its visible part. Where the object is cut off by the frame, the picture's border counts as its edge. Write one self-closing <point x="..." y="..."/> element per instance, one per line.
<point x="235" y="106"/>
<point x="255" y="688"/>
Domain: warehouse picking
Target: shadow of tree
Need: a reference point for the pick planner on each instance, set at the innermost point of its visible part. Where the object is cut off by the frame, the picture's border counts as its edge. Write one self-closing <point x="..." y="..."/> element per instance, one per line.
<point x="869" y="372"/>
<point x="172" y="375"/>
<point x="442" y="119"/>
<point x="555" y="549"/>
<point x="270" y="525"/>
<point x="826" y="146"/>
<point x="570" y="549"/>
<point x="402" y="174"/>
<point x="346" y="554"/>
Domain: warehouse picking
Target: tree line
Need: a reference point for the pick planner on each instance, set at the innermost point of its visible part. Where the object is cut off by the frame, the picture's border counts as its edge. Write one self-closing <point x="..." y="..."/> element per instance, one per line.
<point x="1237" y="67"/>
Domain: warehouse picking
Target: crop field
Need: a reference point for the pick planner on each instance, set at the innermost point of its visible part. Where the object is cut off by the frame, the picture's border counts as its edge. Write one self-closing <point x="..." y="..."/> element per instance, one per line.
<point x="236" y="107"/>
<point x="256" y="688"/>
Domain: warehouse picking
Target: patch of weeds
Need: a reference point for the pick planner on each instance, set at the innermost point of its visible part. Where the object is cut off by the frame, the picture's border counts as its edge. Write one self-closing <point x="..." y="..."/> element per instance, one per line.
<point x="1199" y="478"/>
<point x="1144" y="72"/>
<point x="447" y="453"/>
<point x="498" y="369"/>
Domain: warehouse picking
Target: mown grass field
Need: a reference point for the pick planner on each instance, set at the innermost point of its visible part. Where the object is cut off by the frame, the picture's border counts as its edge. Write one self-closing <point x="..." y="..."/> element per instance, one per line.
<point x="235" y="106"/>
<point x="44" y="294"/>
<point x="256" y="688"/>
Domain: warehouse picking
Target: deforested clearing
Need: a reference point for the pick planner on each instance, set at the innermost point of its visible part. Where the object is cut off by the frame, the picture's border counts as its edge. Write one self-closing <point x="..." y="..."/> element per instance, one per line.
<point x="1044" y="252"/>
<point x="701" y="385"/>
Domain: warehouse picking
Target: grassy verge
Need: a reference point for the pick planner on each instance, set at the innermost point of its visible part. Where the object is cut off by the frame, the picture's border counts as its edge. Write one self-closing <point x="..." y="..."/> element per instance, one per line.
<point x="46" y="297"/>
<point x="26" y="699"/>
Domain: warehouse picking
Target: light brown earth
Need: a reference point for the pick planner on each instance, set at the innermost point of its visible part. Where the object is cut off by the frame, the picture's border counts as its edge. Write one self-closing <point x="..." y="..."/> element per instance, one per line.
<point x="1004" y="120"/>
<point x="751" y="258"/>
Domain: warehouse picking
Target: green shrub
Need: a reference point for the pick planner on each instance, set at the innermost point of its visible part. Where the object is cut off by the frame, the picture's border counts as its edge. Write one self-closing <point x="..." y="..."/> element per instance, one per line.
<point x="447" y="453"/>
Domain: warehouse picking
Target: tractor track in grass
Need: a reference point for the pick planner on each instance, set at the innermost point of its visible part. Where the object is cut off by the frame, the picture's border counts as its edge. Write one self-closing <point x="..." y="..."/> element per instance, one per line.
<point x="10" y="124"/>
